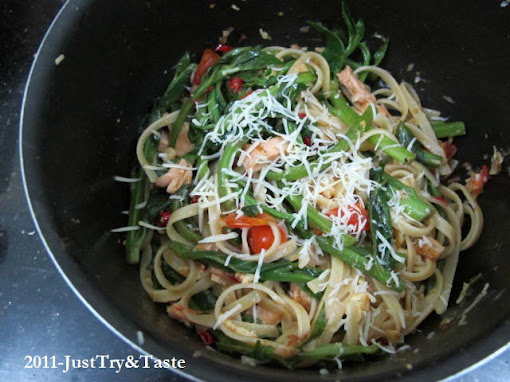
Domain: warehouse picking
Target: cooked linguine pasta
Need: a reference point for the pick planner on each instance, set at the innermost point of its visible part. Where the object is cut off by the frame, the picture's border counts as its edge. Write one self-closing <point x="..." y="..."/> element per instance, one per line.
<point x="289" y="212"/>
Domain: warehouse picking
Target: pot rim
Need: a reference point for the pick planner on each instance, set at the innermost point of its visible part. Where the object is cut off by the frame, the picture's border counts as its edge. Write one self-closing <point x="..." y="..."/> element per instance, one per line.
<point x="100" y="308"/>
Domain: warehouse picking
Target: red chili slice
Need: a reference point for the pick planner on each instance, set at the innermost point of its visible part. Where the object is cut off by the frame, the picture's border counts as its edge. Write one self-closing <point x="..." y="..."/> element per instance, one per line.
<point x="164" y="217"/>
<point x="223" y="48"/>
<point x="206" y="337"/>
<point x="484" y="174"/>
<point x="441" y="200"/>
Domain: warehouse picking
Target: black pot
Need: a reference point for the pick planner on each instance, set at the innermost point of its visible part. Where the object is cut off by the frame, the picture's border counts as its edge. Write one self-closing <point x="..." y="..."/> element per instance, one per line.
<point x="80" y="122"/>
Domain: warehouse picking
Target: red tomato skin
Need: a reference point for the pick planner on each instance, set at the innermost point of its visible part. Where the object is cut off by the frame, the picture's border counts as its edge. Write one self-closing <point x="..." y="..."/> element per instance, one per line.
<point x="164" y="217"/>
<point x="449" y="149"/>
<point x="206" y="337"/>
<point x="223" y="48"/>
<point x="261" y="237"/>
<point x="243" y="221"/>
<point x="484" y="174"/>
<point x="441" y="200"/>
<point x="479" y="180"/>
<point x="208" y="59"/>
<point x="360" y="216"/>
<point x="235" y="84"/>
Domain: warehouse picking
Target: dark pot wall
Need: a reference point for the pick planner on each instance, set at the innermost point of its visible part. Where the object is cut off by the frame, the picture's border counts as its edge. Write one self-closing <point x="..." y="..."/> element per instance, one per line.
<point x="81" y="119"/>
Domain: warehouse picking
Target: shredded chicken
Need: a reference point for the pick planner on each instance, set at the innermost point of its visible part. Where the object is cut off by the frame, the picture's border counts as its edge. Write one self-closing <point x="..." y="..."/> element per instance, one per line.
<point x="260" y="153"/>
<point x="286" y="351"/>
<point x="295" y="340"/>
<point x="297" y="294"/>
<point x="225" y="34"/>
<point x="163" y="141"/>
<point x="219" y="276"/>
<point x="358" y="93"/>
<point x="177" y="311"/>
<point x="244" y="278"/>
<point x="175" y="178"/>
<point x="496" y="162"/>
<point x="183" y="144"/>
<point x="429" y="248"/>
<point x="296" y="46"/>
<point x="268" y="316"/>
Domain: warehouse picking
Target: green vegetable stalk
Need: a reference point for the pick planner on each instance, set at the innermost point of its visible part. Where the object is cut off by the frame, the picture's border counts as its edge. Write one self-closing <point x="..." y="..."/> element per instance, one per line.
<point x="448" y="129"/>
<point x="406" y="137"/>
<point x="370" y="267"/>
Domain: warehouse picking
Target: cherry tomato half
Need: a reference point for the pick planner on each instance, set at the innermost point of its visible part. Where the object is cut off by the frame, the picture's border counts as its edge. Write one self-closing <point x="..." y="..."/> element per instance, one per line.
<point x="359" y="216"/>
<point x="261" y="237"/>
<point x="235" y="84"/>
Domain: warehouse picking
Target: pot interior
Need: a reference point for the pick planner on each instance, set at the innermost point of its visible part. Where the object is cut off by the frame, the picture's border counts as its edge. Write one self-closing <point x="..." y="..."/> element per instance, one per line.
<point x="81" y="120"/>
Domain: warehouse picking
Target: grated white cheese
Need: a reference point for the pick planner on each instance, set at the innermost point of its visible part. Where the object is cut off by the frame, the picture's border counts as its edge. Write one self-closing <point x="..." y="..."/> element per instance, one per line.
<point x="175" y="165"/>
<point x="370" y="264"/>
<point x="410" y="145"/>
<point x="403" y="348"/>
<point x="388" y="349"/>
<point x="59" y="59"/>
<point x="496" y="161"/>
<point x="385" y="244"/>
<point x="126" y="229"/>
<point x="140" y="338"/>
<point x="219" y="200"/>
<point x="141" y="205"/>
<point x="304" y="252"/>
<point x="448" y="99"/>
<point x="126" y="180"/>
<point x="344" y="176"/>
<point x="259" y="266"/>
<point x="150" y="226"/>
<point x="227" y="260"/>
<point x="264" y="34"/>
<point x="221" y="237"/>
<point x="386" y="292"/>
<point x="477" y="299"/>
<point x="224" y="316"/>
<point x="248" y="361"/>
